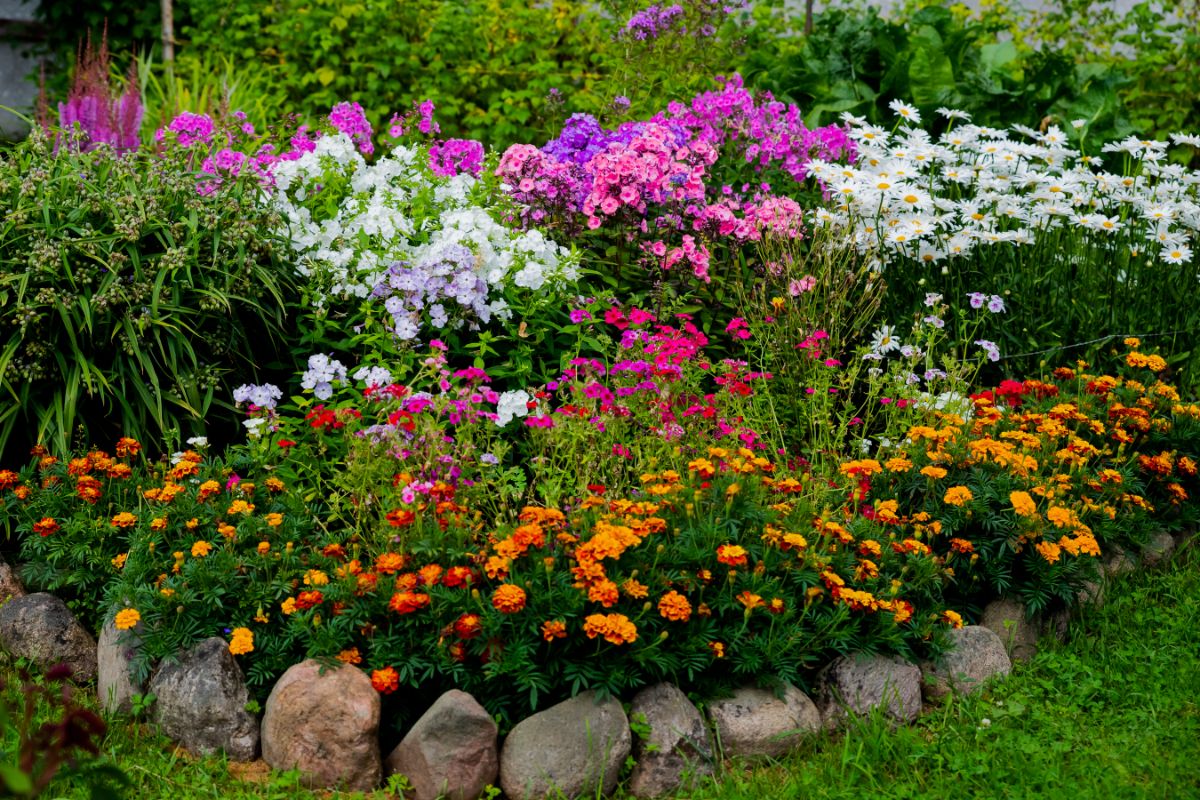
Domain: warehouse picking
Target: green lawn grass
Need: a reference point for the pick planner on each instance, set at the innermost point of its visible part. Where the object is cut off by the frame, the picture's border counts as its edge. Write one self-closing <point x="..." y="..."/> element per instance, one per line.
<point x="1113" y="713"/>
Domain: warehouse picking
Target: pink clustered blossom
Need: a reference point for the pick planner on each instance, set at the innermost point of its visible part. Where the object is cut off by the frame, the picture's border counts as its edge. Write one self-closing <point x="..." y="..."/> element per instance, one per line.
<point x="350" y="119"/>
<point x="656" y="181"/>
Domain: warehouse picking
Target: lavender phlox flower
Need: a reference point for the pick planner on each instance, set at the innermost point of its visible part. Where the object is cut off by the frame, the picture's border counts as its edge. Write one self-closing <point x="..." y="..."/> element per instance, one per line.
<point x="264" y="396"/>
<point x="321" y="373"/>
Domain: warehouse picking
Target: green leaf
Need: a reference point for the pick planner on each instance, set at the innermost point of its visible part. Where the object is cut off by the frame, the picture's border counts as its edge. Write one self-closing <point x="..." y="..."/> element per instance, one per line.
<point x="930" y="72"/>
<point x="18" y="782"/>
<point x="326" y="76"/>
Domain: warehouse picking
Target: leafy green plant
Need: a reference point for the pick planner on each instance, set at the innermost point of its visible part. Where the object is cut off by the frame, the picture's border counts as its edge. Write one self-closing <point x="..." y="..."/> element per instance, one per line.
<point x="858" y="62"/>
<point x="132" y="301"/>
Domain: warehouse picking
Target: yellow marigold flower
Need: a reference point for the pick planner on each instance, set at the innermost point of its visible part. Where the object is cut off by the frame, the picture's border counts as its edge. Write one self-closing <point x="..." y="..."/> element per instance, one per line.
<point x="933" y="472"/>
<point x="1023" y="504"/>
<point x="126" y="618"/>
<point x="898" y="464"/>
<point x="274" y="519"/>
<point x="119" y="561"/>
<point x="315" y="577"/>
<point x="227" y="530"/>
<point x="1133" y="342"/>
<point x="242" y="641"/>
<point x="794" y="541"/>
<point x="958" y="496"/>
<point x="240" y="507"/>
<point x="274" y="484"/>
<point x="192" y="524"/>
<point x="717" y="648"/>
<point x="201" y="548"/>
<point x="732" y="491"/>
<point x="288" y="606"/>
<point x="124" y="520"/>
<point x="952" y="618"/>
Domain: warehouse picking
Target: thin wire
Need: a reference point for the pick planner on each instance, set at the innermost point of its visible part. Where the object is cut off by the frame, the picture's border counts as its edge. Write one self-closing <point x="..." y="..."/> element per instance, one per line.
<point x="1084" y="344"/>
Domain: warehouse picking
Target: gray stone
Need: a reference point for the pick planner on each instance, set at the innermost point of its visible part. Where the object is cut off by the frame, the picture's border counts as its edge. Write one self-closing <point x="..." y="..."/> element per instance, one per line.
<point x="201" y="702"/>
<point x="450" y="752"/>
<point x="859" y="685"/>
<point x="115" y="680"/>
<point x="677" y="746"/>
<point x="977" y="655"/>
<point x="324" y="722"/>
<point x="756" y="722"/>
<point x="10" y="583"/>
<point x="1058" y="624"/>
<point x="576" y="747"/>
<point x="1007" y="619"/>
<point x="1091" y="593"/>
<point x="1119" y="563"/>
<point x="41" y="628"/>
<point x="1160" y="548"/>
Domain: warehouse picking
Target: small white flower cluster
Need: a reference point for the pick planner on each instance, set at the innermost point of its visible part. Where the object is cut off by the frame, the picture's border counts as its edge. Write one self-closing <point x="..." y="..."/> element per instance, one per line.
<point x="373" y="376"/>
<point x="321" y="373"/>
<point x="512" y="405"/>
<point x="911" y="196"/>
<point x="349" y="221"/>
<point x="264" y="396"/>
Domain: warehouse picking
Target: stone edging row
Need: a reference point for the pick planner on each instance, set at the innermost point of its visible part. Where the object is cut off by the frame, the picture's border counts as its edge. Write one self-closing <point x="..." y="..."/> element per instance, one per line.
<point x="324" y="720"/>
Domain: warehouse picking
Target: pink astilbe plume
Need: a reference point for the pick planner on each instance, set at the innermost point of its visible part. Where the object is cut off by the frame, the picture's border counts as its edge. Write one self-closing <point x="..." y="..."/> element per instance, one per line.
<point x="103" y="116"/>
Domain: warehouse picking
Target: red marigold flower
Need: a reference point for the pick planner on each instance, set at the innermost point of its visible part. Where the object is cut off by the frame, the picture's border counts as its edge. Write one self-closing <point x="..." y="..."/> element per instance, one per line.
<point x="389" y="563"/>
<point x="400" y="517"/>
<point x="46" y="526"/>
<point x="385" y="680"/>
<point x="307" y="600"/>
<point x="554" y="629"/>
<point x="468" y="626"/>
<point x="457" y="577"/>
<point x="675" y="607"/>
<point x="732" y="554"/>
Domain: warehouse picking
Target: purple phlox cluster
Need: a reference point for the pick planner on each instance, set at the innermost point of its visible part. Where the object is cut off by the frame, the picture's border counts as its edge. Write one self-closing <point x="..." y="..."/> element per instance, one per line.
<point x="263" y="396"/>
<point x="652" y="22"/>
<point x="322" y="372"/>
<point x="989" y="348"/>
<point x="103" y="115"/>
<point x="350" y="119"/>
<point x="432" y="289"/>
<point x="454" y="156"/>
<point x="994" y="303"/>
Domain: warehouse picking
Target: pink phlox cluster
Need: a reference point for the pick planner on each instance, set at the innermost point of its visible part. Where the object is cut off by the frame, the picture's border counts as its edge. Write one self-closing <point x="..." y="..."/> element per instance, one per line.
<point x="350" y="119"/>
<point x="454" y="156"/>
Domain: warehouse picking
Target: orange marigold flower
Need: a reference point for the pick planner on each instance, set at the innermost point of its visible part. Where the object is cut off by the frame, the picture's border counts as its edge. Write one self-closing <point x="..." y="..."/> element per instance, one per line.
<point x="635" y="589"/>
<point x="240" y="507"/>
<point x="400" y="517"/>
<point x="128" y="447"/>
<point x="126" y="618"/>
<point x="46" y="526"/>
<point x="717" y="648"/>
<point x="408" y="602"/>
<point x="208" y="489"/>
<point x="119" y="560"/>
<point x="1049" y="551"/>
<point x="242" y="641"/>
<point x="274" y="484"/>
<point x="385" y="680"/>
<point x="389" y="563"/>
<point x="777" y="605"/>
<point x="961" y="546"/>
<point x="936" y="473"/>
<point x="227" y="530"/>
<point x="615" y="628"/>
<point x="675" y="607"/>
<point x="201" y="549"/>
<point x="508" y="599"/>
<point x="315" y="577"/>
<point x="1023" y="504"/>
<point x="264" y="548"/>
<point x="958" y="496"/>
<point x="554" y="629"/>
<point x="952" y="618"/>
<point x="732" y="554"/>
<point x="8" y="479"/>
<point x="430" y="574"/>
<point x="274" y="519"/>
<point x="603" y="592"/>
<point x="898" y="464"/>
<point x="750" y="600"/>
<point x="288" y="606"/>
<point x="902" y="611"/>
<point x="124" y="520"/>
<point x="351" y="656"/>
